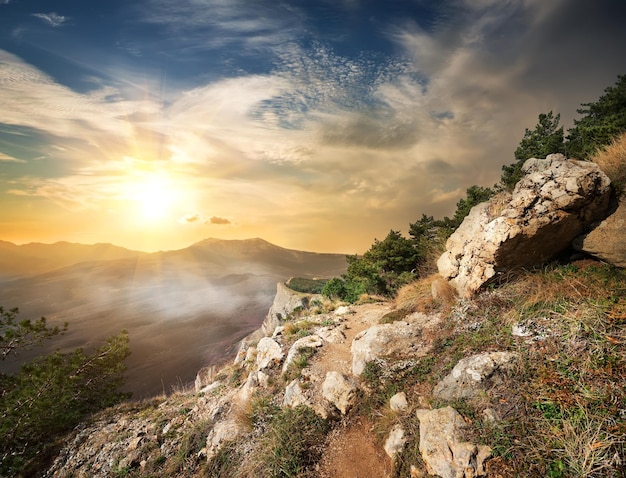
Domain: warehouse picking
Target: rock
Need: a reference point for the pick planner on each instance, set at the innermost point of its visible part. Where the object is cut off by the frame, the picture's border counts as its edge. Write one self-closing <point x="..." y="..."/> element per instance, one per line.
<point x="395" y="441"/>
<point x="221" y="432"/>
<point x="607" y="241"/>
<point x="556" y="201"/>
<point x="293" y="395"/>
<point x="398" y="339"/>
<point x="285" y="302"/>
<point x="441" y="447"/>
<point x="471" y="376"/>
<point x="340" y="391"/>
<point x="310" y="341"/>
<point x="268" y="353"/>
<point x="342" y="310"/>
<point x="332" y="334"/>
<point x="398" y="402"/>
<point x="490" y="415"/>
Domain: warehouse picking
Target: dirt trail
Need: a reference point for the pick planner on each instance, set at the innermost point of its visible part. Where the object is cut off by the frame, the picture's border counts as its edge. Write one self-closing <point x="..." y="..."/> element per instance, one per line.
<point x="351" y="451"/>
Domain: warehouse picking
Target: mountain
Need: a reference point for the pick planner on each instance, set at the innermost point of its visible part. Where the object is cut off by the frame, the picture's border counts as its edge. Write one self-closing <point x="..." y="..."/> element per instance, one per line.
<point x="183" y="309"/>
<point x="37" y="258"/>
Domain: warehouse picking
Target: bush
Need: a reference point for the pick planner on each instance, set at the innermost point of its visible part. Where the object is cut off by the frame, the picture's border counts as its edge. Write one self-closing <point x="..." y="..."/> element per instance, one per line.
<point x="51" y="394"/>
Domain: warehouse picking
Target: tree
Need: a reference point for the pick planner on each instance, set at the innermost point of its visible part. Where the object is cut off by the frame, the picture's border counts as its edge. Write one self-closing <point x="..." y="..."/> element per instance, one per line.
<point x="545" y="139"/>
<point x="25" y="334"/>
<point x="52" y="393"/>
<point x="603" y="121"/>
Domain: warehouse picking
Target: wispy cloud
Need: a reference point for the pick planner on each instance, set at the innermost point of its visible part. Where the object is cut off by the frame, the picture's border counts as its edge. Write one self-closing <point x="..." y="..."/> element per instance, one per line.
<point x="9" y="159"/>
<point x="53" y="19"/>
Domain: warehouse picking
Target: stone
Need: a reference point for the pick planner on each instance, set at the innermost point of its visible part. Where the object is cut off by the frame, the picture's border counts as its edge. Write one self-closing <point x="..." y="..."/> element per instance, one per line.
<point x="556" y="201"/>
<point x="310" y="341"/>
<point x="607" y="241"/>
<point x="293" y="395"/>
<point x="285" y="302"/>
<point x="471" y="376"/>
<point x="221" y="432"/>
<point x="398" y="339"/>
<point x="398" y="402"/>
<point x="442" y="448"/>
<point x="339" y="390"/>
<point x="394" y="444"/>
<point x="268" y="353"/>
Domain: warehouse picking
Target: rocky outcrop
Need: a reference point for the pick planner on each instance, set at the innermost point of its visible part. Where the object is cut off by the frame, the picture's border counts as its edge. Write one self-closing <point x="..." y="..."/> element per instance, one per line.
<point x="472" y="376"/>
<point x="556" y="201"/>
<point x="397" y="339"/>
<point x="309" y="342"/>
<point x="395" y="442"/>
<point x="285" y="302"/>
<point x="607" y="241"/>
<point x="442" y="448"/>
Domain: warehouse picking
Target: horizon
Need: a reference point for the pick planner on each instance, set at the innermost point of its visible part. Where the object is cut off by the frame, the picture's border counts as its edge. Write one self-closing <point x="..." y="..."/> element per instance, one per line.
<point x="167" y="250"/>
<point x="318" y="126"/>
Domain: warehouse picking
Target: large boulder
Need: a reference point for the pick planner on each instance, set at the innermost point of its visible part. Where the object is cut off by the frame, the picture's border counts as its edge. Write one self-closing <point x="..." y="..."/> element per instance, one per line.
<point x="442" y="448"/>
<point x="472" y="376"/>
<point x="556" y="201"/>
<point x="268" y="353"/>
<point x="608" y="240"/>
<point x="398" y="339"/>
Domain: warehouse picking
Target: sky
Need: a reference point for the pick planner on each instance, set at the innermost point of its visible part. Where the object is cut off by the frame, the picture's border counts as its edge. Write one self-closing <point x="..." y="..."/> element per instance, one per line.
<point x="315" y="124"/>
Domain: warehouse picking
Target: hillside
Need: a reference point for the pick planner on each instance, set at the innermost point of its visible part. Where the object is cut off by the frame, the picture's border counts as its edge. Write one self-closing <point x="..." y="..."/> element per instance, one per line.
<point x="554" y="407"/>
<point x="183" y="309"/>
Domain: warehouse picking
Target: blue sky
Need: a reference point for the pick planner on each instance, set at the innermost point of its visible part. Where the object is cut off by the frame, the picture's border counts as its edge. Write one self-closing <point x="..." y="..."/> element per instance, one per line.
<point x="317" y="125"/>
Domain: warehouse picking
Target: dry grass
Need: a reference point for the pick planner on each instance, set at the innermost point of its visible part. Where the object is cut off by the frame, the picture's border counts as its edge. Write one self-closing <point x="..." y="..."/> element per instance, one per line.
<point x="418" y="296"/>
<point x="612" y="160"/>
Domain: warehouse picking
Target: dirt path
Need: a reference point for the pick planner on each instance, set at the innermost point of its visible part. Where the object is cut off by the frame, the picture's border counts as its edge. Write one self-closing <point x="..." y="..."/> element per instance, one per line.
<point x="351" y="451"/>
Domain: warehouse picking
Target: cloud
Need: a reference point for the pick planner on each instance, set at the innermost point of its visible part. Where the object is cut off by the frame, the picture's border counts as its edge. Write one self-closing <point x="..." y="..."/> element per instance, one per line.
<point x="9" y="159"/>
<point x="219" y="220"/>
<point x="189" y="218"/>
<point x="53" y="19"/>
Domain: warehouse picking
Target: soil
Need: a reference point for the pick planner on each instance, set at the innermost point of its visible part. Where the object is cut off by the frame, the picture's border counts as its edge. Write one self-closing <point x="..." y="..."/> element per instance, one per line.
<point x="352" y="450"/>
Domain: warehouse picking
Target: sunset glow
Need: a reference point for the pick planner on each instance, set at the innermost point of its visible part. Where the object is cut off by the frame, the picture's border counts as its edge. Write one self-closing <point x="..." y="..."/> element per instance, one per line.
<point x="317" y="126"/>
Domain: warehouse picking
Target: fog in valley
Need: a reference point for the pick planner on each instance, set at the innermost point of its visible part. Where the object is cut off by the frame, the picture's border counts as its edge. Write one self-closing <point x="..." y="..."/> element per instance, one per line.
<point x="183" y="309"/>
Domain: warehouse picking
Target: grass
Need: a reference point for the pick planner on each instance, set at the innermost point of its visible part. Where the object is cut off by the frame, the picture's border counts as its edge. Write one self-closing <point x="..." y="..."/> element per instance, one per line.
<point x="612" y="160"/>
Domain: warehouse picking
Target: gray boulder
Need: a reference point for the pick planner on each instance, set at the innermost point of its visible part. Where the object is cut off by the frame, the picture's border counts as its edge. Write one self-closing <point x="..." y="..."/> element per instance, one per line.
<point x="398" y="339"/>
<point x="442" y="448"/>
<point x="268" y="353"/>
<point x="471" y="376"/>
<point x="556" y="201"/>
<point x="340" y="391"/>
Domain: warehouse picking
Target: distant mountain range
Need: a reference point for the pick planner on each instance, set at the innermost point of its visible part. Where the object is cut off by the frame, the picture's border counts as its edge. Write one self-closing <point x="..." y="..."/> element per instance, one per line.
<point x="183" y="309"/>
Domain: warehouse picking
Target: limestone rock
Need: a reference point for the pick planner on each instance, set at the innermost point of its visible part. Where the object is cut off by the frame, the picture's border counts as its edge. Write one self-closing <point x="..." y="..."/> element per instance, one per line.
<point x="221" y="432"/>
<point x="310" y="341"/>
<point x="285" y="302"/>
<point x="608" y="240"/>
<point x="472" y="375"/>
<point x="339" y="390"/>
<point x="395" y="441"/>
<point x="398" y="402"/>
<point x="268" y="353"/>
<point x="398" y="338"/>
<point x="553" y="203"/>
<point x="293" y="395"/>
<point x="441" y="447"/>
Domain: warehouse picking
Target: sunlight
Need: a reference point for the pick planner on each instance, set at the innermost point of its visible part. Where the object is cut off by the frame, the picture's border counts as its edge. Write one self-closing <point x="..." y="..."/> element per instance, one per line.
<point x="153" y="195"/>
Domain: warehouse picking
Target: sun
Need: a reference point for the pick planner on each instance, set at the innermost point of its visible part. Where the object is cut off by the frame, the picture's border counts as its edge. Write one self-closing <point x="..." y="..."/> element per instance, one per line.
<point x="152" y="196"/>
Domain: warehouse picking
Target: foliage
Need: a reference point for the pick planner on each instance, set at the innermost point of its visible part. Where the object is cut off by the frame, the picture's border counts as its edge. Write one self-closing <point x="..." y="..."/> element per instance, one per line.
<point x="307" y="286"/>
<point x="545" y="139"/>
<point x="51" y="394"/>
<point x="290" y="443"/>
<point x="602" y="122"/>
<point x="384" y="268"/>
<point x="25" y="334"/>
